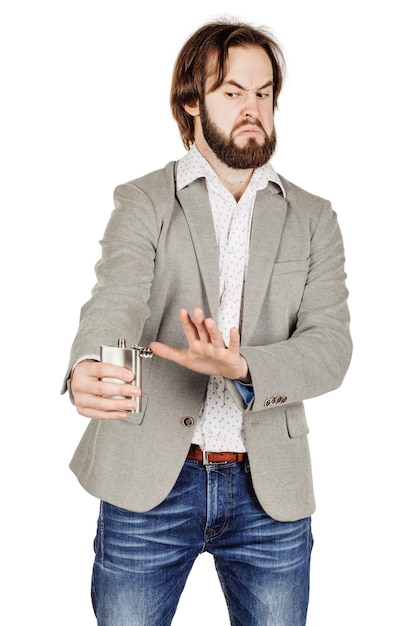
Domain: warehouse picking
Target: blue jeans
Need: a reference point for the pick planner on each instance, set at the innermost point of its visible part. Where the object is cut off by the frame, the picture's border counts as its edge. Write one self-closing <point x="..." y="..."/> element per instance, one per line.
<point x="143" y="559"/>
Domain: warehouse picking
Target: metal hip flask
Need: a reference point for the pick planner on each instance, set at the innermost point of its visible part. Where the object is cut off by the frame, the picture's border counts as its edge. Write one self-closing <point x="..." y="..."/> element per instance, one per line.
<point x="126" y="357"/>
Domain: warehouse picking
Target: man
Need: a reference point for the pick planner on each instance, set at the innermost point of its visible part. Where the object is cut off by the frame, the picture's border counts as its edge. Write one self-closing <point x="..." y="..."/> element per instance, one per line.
<point x="235" y="279"/>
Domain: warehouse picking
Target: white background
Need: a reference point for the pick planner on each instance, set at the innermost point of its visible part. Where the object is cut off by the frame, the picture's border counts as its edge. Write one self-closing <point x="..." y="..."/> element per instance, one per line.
<point x="85" y="106"/>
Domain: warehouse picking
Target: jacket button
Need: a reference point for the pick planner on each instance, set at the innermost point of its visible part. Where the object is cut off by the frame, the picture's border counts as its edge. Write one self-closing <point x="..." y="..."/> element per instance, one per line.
<point x="188" y="421"/>
<point x="284" y="399"/>
<point x="267" y="402"/>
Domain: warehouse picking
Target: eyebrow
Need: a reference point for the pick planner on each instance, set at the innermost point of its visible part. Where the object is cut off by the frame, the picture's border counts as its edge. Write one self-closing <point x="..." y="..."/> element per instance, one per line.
<point x="236" y="84"/>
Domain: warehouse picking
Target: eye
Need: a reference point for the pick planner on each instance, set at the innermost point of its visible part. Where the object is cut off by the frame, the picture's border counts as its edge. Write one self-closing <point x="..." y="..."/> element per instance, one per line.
<point x="232" y="94"/>
<point x="263" y="95"/>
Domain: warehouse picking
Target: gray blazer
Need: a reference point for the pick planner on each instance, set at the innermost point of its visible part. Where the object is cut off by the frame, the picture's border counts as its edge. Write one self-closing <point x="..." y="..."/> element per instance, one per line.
<point x="159" y="254"/>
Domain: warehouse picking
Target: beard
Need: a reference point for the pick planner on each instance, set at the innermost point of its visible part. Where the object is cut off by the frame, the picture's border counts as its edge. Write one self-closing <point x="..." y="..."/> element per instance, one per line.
<point x="249" y="157"/>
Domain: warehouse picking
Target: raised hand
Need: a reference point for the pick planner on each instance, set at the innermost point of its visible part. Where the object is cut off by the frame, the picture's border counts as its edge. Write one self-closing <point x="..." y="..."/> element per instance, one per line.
<point x="207" y="352"/>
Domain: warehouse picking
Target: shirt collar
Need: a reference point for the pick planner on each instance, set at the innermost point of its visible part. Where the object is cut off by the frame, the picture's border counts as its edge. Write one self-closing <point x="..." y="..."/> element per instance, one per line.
<point x="193" y="166"/>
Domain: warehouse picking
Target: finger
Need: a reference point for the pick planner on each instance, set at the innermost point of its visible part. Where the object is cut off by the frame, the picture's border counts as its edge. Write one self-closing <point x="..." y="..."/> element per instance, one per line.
<point x="106" y="386"/>
<point x="234" y="340"/>
<point x="96" y="407"/>
<point x="166" y="352"/>
<point x="102" y="415"/>
<point x="111" y="387"/>
<point x="94" y="370"/>
<point x="109" y="370"/>
<point x="114" y="402"/>
<point x="188" y="325"/>
<point x="216" y="337"/>
<point x="200" y="324"/>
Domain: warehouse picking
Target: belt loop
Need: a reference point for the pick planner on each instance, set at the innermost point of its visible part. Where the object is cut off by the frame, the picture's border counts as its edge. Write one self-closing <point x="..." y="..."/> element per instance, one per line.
<point x="205" y="457"/>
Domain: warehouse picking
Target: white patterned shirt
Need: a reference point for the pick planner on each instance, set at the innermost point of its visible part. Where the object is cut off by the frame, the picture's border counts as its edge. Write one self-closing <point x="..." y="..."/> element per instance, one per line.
<point x="220" y="423"/>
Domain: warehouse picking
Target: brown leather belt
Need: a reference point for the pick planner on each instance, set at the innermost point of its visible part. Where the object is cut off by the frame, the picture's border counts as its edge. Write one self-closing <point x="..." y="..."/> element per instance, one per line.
<point x="195" y="453"/>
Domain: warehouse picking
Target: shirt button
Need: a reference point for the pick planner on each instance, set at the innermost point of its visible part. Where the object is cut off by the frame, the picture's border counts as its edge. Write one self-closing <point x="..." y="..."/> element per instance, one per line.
<point x="188" y="421"/>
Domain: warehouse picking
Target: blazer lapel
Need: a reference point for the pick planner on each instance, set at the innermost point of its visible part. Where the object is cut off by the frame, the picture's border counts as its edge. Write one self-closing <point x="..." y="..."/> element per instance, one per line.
<point x="267" y="224"/>
<point x="195" y="204"/>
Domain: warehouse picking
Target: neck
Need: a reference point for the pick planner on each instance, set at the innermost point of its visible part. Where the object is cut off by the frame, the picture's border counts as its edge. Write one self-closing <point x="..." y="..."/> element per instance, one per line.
<point x="233" y="180"/>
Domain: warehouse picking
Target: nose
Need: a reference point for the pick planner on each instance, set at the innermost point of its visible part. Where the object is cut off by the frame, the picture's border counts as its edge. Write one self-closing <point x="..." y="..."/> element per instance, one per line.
<point x="251" y="106"/>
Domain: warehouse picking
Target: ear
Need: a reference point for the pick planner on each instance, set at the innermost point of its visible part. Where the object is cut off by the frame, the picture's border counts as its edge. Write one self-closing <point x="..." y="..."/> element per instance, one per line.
<point x="192" y="108"/>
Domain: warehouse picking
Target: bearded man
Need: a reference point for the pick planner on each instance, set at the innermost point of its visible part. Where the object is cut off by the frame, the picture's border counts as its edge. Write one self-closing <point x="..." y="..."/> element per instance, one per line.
<point x="234" y="277"/>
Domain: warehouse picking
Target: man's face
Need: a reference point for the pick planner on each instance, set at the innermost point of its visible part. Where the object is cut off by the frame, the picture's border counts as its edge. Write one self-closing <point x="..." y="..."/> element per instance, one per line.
<point x="237" y="119"/>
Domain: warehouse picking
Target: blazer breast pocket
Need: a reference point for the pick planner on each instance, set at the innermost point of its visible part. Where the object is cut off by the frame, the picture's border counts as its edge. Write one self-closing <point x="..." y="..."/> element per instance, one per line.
<point x="287" y="283"/>
<point x="283" y="268"/>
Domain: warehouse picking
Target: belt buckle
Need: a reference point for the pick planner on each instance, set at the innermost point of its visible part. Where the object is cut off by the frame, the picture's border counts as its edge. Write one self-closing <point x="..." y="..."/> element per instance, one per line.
<point x="207" y="462"/>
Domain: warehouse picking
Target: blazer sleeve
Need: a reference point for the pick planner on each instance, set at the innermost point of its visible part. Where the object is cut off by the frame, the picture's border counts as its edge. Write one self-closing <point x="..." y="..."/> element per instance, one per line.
<point x="315" y="357"/>
<point x="118" y="306"/>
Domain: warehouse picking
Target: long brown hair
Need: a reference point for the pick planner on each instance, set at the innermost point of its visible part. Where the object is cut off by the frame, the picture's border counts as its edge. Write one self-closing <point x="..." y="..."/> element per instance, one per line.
<point x="212" y="42"/>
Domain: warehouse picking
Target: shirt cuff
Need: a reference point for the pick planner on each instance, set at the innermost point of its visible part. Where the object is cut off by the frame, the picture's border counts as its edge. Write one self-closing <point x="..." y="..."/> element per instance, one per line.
<point x="93" y="357"/>
<point x="245" y="390"/>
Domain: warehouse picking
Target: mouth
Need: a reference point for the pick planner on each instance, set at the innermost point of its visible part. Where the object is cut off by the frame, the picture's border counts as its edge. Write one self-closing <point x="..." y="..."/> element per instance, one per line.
<point x="249" y="130"/>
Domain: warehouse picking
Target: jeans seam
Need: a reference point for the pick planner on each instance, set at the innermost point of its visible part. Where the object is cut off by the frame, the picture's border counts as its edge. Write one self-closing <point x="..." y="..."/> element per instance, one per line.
<point x="101" y="557"/>
<point x="225" y="593"/>
<point x="310" y="540"/>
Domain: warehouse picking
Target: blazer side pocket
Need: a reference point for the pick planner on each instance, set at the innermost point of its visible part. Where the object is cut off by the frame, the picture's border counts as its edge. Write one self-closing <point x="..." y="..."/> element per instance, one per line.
<point x="297" y="425"/>
<point x="137" y="418"/>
